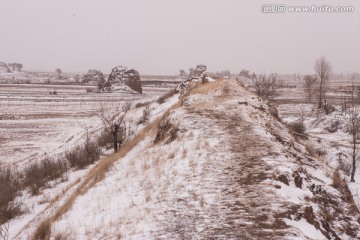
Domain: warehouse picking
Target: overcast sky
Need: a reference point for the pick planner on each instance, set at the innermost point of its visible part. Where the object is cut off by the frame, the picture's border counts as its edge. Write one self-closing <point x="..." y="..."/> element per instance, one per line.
<point x="163" y="36"/>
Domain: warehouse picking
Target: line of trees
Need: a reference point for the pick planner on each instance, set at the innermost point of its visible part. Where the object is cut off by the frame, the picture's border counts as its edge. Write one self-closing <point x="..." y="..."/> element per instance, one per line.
<point x="323" y="69"/>
<point x="15" y="66"/>
<point x="318" y="84"/>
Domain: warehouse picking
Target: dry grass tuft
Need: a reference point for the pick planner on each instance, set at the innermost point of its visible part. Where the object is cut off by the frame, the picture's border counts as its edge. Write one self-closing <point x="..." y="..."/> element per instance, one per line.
<point x="297" y="127"/>
<point x="38" y="174"/>
<point x="206" y="88"/>
<point x="142" y="104"/>
<point x="338" y="181"/>
<point x="167" y="131"/>
<point x="310" y="149"/>
<point x="184" y="152"/>
<point x="145" y="116"/>
<point x="167" y="95"/>
<point x="171" y="155"/>
<point x="9" y="187"/>
<point x="43" y="231"/>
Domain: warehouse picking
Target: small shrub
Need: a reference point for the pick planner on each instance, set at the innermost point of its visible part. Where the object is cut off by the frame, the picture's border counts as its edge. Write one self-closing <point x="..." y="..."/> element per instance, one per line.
<point x="39" y="174"/>
<point x="145" y="117"/>
<point x="83" y="156"/>
<point x="320" y="152"/>
<point x="338" y="181"/>
<point x="241" y="84"/>
<point x="43" y="231"/>
<point x="310" y="149"/>
<point x="345" y="167"/>
<point x="329" y="108"/>
<point x="167" y="132"/>
<point x="142" y="104"/>
<point x="167" y="95"/>
<point x="226" y="90"/>
<point x="9" y="187"/>
<point x="297" y="127"/>
<point x="105" y="139"/>
<point x="326" y="214"/>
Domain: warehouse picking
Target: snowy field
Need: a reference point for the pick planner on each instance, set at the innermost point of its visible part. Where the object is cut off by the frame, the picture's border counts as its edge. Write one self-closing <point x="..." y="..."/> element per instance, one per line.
<point x="39" y="121"/>
<point x="35" y="122"/>
<point x="229" y="168"/>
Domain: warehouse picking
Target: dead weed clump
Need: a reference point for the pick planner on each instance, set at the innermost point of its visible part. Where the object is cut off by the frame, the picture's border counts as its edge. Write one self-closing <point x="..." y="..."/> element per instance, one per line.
<point x="337" y="181"/>
<point x="43" y="231"/>
<point x="105" y="139"/>
<point x="37" y="175"/>
<point x="167" y="95"/>
<point x="84" y="155"/>
<point x="142" y="104"/>
<point x="310" y="149"/>
<point x="145" y="116"/>
<point x="206" y="88"/>
<point x="345" y="166"/>
<point x="297" y="127"/>
<point x="9" y="187"/>
<point x="167" y="131"/>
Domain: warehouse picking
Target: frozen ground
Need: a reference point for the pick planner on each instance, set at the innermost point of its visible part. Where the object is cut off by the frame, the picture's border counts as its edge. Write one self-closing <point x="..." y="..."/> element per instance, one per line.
<point x="35" y="123"/>
<point x="327" y="133"/>
<point x="213" y="164"/>
<point x="221" y="167"/>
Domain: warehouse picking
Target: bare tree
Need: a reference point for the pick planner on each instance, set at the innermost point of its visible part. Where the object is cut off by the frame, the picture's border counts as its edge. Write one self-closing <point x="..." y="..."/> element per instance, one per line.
<point x="182" y="73"/>
<point x="253" y="76"/>
<point x="15" y="66"/>
<point x="58" y="72"/>
<point x="267" y="86"/>
<point x="309" y="86"/>
<point x="323" y="69"/>
<point x="115" y="123"/>
<point x="191" y="71"/>
<point x="19" y="67"/>
<point x="11" y="66"/>
<point x="245" y="73"/>
<point x="94" y="76"/>
<point x="353" y="128"/>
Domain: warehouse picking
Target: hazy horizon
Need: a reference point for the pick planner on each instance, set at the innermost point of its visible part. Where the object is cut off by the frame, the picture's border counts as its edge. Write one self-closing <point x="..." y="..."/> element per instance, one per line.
<point x="162" y="37"/>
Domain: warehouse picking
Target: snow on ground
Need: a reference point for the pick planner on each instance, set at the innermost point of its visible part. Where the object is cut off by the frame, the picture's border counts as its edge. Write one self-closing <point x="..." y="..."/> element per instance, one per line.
<point x="39" y="206"/>
<point x="35" y="126"/>
<point x="222" y="167"/>
<point x="327" y="134"/>
<point x="306" y="228"/>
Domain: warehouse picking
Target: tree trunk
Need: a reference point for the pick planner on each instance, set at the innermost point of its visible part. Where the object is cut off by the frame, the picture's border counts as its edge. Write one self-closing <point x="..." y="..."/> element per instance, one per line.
<point x="320" y="94"/>
<point x="116" y="129"/>
<point x="353" y="162"/>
